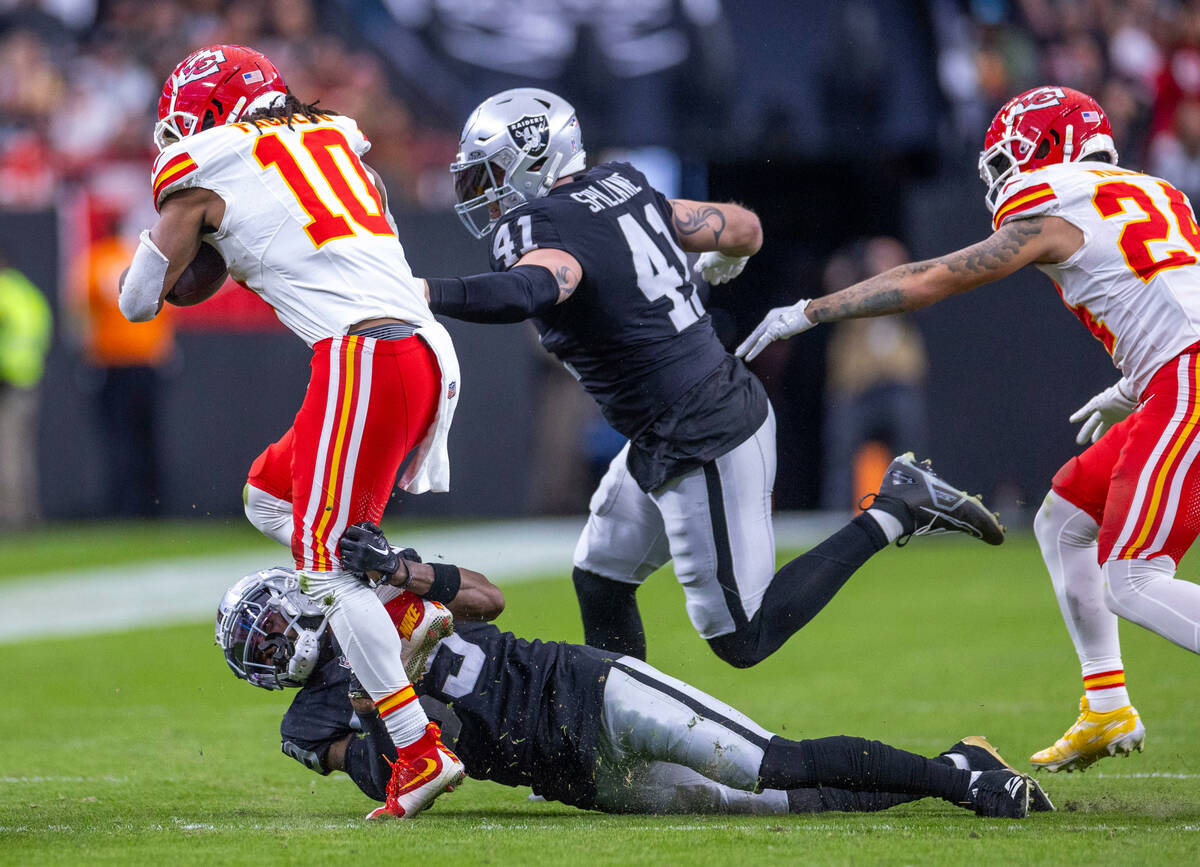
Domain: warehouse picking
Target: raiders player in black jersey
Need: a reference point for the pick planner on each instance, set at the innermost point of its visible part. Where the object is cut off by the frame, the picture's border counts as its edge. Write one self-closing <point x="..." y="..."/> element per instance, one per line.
<point x="576" y="724"/>
<point x="596" y="259"/>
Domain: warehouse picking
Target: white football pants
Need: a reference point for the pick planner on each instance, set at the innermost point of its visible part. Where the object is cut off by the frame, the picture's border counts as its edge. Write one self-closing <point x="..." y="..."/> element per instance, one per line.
<point x="714" y="522"/>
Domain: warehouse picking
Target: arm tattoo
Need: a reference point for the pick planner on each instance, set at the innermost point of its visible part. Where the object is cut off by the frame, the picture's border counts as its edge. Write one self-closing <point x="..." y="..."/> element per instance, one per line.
<point x="887" y="292"/>
<point x="997" y="251"/>
<point x="566" y="282"/>
<point x="877" y="296"/>
<point x="689" y="221"/>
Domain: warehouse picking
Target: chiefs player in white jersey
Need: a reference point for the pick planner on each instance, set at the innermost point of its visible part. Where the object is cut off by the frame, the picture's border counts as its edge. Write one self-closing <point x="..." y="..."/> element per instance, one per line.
<point x="279" y="189"/>
<point x="1122" y="249"/>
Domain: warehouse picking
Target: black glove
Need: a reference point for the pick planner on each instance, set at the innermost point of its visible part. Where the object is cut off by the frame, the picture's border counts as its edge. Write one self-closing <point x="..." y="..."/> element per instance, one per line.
<point x="364" y="548"/>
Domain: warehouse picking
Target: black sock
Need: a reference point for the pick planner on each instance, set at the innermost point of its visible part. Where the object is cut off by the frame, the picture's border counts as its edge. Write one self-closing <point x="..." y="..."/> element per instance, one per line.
<point x="799" y="590"/>
<point x="898" y="509"/>
<point x="859" y="765"/>
<point x="610" y="614"/>
<point x="824" y="799"/>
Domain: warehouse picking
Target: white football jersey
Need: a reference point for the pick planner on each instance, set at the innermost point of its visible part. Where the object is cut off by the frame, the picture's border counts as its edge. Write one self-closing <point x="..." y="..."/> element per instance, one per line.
<point x="304" y="226"/>
<point x="1135" y="282"/>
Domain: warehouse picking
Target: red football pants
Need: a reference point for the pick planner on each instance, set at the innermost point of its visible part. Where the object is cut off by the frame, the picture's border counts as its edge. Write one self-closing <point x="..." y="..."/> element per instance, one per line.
<point x="369" y="402"/>
<point x="1141" y="481"/>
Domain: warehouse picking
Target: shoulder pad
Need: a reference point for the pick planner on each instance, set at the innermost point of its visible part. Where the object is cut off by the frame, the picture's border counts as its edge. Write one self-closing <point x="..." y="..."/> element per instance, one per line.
<point x="172" y="170"/>
<point x="180" y="166"/>
<point x="1027" y="195"/>
<point x="348" y="125"/>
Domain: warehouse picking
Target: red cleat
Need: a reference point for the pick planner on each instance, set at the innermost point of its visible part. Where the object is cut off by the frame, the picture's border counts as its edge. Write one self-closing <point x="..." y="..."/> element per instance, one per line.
<point x="422" y="771"/>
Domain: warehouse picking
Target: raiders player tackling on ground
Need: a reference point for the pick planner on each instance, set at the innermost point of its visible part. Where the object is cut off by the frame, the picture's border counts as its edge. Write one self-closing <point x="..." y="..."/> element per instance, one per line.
<point x="579" y="725"/>
<point x="595" y="257"/>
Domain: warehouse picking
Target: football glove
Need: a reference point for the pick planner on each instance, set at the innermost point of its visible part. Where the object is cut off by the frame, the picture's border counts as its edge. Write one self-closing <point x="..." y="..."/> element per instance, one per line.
<point x="779" y="323"/>
<point x="363" y="548"/>
<point x="717" y="268"/>
<point x="1103" y="411"/>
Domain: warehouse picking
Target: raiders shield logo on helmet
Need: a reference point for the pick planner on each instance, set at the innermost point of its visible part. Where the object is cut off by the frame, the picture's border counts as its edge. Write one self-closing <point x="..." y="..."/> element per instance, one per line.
<point x="531" y="133"/>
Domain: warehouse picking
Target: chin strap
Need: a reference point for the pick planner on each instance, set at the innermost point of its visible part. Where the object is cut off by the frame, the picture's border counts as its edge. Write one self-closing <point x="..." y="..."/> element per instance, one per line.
<point x="551" y="175"/>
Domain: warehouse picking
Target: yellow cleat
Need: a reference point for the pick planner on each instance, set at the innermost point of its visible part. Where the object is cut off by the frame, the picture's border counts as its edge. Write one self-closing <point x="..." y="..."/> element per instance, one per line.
<point x="1094" y="736"/>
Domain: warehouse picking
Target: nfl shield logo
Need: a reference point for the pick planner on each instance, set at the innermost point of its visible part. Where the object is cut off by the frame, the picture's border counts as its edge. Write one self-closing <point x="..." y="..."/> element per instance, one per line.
<point x="531" y="134"/>
<point x="452" y="390"/>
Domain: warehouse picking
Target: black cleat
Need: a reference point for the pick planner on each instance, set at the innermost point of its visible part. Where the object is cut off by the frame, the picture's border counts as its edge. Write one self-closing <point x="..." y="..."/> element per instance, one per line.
<point x="925" y="504"/>
<point x="1001" y="794"/>
<point x="979" y="755"/>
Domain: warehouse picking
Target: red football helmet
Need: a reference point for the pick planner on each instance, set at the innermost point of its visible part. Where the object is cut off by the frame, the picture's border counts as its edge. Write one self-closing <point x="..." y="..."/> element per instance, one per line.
<point x="1040" y="127"/>
<point x="214" y="86"/>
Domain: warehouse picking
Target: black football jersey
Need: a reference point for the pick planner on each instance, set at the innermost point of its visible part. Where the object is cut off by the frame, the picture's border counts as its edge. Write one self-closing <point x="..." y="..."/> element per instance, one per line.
<point x="320" y="714"/>
<point x="529" y="710"/>
<point x="634" y="332"/>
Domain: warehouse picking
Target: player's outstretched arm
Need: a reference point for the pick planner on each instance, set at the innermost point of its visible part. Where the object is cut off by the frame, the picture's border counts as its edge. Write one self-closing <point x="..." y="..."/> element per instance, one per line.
<point x="539" y="280"/>
<point x="166" y="250"/>
<point x="919" y="284"/>
<point x="726" y="236"/>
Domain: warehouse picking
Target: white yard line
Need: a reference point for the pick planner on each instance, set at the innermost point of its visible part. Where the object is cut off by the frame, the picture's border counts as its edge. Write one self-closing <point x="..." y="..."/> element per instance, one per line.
<point x="152" y="593"/>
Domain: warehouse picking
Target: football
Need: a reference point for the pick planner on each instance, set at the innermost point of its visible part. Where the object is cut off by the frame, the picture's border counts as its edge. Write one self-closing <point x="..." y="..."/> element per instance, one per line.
<point x="200" y="280"/>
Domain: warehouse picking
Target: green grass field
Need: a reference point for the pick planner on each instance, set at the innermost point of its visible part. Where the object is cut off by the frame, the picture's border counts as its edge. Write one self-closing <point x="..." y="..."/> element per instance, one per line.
<point x="142" y="748"/>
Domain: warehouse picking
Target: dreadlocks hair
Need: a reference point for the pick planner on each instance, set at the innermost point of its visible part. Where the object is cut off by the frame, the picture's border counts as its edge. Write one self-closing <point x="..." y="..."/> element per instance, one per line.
<point x="286" y="110"/>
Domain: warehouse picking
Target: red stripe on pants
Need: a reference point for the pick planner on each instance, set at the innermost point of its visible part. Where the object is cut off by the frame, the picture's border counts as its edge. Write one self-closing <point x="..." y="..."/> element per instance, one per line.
<point x="402" y="404"/>
<point x="1109" y="479"/>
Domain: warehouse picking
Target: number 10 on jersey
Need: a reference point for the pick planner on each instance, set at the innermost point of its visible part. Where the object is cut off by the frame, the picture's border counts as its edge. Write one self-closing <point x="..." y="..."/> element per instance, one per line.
<point x="324" y="224"/>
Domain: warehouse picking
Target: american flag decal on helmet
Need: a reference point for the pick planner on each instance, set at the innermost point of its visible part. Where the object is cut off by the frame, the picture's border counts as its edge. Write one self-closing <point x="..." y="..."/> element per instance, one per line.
<point x="252" y="77"/>
<point x="1090" y="116"/>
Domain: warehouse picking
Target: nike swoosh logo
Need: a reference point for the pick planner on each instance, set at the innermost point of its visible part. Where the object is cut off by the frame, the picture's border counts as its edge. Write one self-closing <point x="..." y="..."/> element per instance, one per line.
<point x="382" y="551"/>
<point x="428" y="771"/>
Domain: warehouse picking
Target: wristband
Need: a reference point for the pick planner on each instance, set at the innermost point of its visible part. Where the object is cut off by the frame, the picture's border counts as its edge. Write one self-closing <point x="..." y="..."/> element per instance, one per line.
<point x="446" y="581"/>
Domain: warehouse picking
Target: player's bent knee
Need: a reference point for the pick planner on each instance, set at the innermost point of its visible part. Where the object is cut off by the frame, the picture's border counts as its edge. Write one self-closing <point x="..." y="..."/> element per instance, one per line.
<point x="739" y="648"/>
<point x="1060" y="522"/>
<point x="1045" y="525"/>
<point x="270" y="515"/>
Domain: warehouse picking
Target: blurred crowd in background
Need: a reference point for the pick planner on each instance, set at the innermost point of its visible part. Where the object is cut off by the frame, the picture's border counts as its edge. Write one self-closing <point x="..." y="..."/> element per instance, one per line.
<point x="79" y="78"/>
<point x="891" y="89"/>
<point x="1139" y="58"/>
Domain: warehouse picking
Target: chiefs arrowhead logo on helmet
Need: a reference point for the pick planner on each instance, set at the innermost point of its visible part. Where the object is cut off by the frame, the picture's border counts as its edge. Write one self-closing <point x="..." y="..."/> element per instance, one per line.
<point x="202" y="64"/>
<point x="213" y="86"/>
<point x="1041" y="127"/>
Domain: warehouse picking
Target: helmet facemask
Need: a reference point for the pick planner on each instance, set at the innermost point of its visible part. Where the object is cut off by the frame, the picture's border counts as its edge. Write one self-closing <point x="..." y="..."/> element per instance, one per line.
<point x="483" y="194"/>
<point x="1000" y="162"/>
<point x="270" y="632"/>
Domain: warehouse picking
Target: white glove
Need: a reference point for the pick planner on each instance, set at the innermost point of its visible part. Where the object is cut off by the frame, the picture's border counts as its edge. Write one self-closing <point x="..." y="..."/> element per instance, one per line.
<point x="779" y="323"/>
<point x="1103" y="411"/>
<point x="717" y="268"/>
